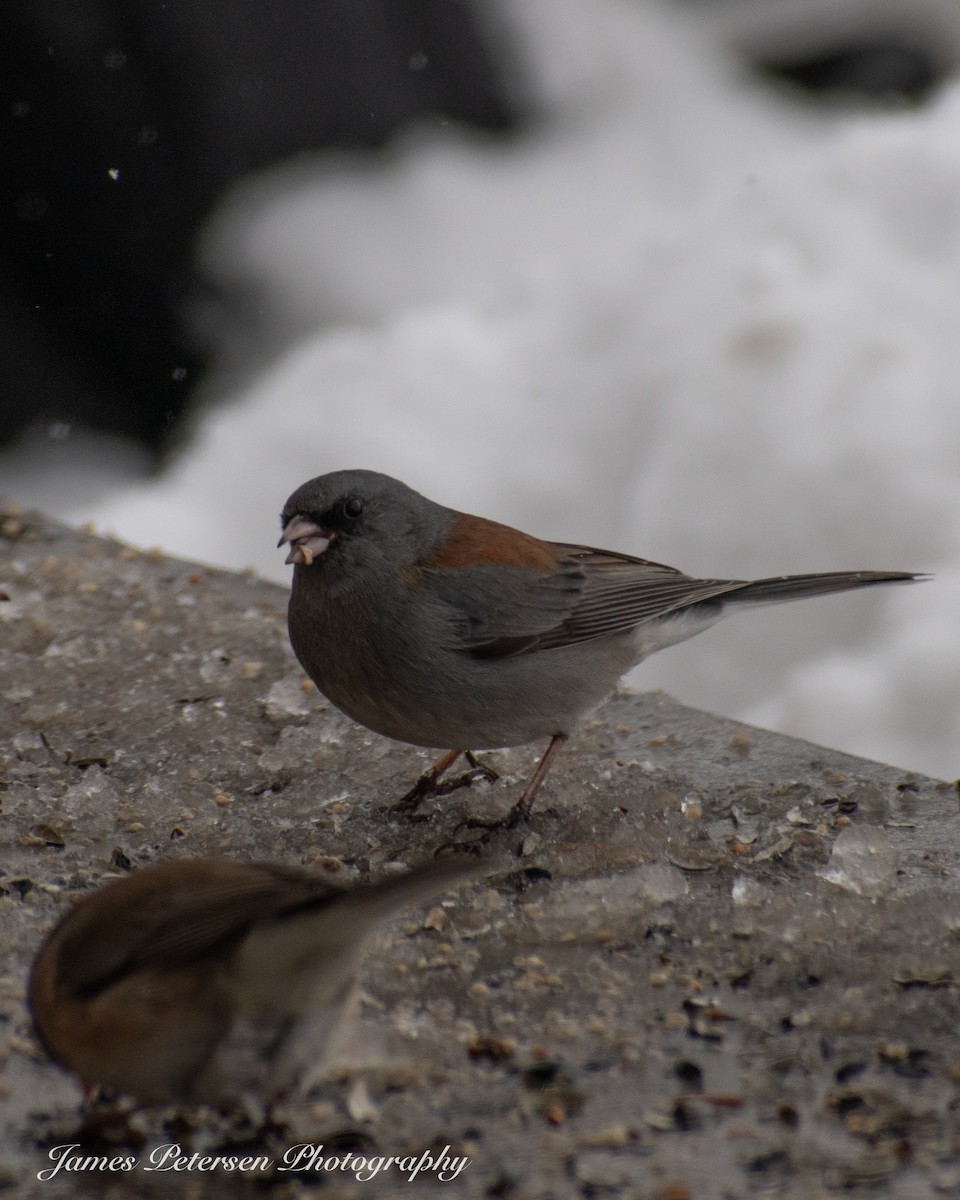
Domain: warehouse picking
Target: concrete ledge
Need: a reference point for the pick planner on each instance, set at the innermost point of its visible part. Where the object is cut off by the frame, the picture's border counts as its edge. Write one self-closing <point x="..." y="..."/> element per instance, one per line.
<point x="689" y="987"/>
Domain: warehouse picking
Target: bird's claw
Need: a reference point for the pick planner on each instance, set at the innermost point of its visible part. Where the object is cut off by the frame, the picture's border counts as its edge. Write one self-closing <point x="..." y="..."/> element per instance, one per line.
<point x="431" y="785"/>
<point x="480" y="771"/>
<point x="515" y="817"/>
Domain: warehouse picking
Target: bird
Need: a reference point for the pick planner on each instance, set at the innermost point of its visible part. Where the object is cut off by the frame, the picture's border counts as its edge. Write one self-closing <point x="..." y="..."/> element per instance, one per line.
<point x="447" y="630"/>
<point x="209" y="980"/>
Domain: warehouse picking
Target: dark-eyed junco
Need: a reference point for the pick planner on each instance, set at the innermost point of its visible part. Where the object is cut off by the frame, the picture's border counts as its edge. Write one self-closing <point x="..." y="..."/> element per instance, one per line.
<point x="208" y="980"/>
<point x="443" y="629"/>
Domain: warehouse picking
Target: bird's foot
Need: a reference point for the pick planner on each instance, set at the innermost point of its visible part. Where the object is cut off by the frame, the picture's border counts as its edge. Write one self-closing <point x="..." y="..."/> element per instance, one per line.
<point x="430" y="783"/>
<point x="516" y="817"/>
<point x="410" y="801"/>
<point x="478" y="770"/>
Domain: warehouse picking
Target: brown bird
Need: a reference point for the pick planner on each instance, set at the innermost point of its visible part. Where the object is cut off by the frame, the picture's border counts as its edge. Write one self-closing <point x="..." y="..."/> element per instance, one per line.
<point x="443" y="629"/>
<point x="208" y="980"/>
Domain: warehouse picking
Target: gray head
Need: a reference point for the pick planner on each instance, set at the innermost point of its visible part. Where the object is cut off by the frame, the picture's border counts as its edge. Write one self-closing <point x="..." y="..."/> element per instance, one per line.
<point x="359" y="521"/>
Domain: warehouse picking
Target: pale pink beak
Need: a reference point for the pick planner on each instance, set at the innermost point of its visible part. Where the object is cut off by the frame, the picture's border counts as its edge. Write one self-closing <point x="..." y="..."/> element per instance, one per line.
<point x="307" y="540"/>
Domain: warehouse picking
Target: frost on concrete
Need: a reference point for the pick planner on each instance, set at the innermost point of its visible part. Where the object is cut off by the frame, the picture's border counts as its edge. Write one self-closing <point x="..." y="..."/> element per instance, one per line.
<point x="863" y="861"/>
<point x="659" y="987"/>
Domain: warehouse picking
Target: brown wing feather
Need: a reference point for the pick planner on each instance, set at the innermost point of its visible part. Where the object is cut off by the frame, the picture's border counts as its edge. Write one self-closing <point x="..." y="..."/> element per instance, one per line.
<point x="588" y="594"/>
<point x="604" y="593"/>
<point x="185" y="914"/>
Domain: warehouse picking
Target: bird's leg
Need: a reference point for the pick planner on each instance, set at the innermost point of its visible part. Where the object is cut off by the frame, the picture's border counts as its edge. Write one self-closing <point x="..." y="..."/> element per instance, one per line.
<point x="478" y="770"/>
<point x="429" y="782"/>
<point x="426" y="785"/>
<point x="521" y="810"/>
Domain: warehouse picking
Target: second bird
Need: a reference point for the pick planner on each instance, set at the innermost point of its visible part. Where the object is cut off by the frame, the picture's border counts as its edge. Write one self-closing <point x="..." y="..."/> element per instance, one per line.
<point x="443" y="629"/>
<point x="209" y="980"/>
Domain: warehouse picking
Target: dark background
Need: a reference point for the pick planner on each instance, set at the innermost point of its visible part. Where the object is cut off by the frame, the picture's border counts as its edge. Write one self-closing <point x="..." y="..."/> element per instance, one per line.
<point x="122" y="124"/>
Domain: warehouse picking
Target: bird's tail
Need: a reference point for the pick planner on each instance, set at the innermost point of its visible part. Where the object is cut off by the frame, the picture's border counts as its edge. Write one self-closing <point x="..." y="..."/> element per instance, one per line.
<point x="375" y="902"/>
<point x="325" y="934"/>
<point x="796" y="587"/>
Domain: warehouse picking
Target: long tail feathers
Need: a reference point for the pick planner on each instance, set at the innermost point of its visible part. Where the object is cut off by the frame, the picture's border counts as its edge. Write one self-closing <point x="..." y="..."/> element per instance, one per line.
<point x="795" y="587"/>
<point x="375" y="902"/>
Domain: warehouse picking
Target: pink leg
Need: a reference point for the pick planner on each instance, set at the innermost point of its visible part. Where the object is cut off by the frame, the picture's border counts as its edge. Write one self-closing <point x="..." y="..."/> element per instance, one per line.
<point x="429" y="782"/>
<point x="521" y="810"/>
<point x="426" y="785"/>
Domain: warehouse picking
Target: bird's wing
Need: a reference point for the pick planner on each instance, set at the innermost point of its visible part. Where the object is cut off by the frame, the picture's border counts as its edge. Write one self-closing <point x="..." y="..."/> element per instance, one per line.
<point x="589" y="594"/>
<point x="620" y="592"/>
<point x="182" y="924"/>
<point x="593" y="593"/>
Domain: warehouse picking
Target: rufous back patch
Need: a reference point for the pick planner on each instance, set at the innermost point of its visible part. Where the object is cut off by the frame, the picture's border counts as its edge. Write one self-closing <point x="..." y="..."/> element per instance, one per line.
<point x="475" y="541"/>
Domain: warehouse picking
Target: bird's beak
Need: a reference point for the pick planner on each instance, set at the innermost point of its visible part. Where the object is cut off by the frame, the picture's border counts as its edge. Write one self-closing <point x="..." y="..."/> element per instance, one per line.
<point x="307" y="540"/>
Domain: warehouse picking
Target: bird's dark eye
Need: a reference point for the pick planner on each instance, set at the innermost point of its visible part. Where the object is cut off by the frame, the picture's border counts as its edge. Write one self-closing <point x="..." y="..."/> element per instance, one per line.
<point x="353" y="507"/>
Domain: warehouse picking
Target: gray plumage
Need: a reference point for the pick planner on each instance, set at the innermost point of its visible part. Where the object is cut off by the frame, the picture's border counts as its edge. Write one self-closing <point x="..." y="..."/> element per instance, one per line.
<point x="442" y="629"/>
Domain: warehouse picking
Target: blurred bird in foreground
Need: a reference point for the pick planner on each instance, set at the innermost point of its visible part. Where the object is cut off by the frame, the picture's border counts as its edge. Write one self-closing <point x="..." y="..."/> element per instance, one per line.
<point x="208" y="980"/>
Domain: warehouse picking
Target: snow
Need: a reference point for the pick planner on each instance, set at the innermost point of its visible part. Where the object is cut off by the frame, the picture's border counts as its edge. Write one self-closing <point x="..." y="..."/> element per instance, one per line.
<point x="682" y="317"/>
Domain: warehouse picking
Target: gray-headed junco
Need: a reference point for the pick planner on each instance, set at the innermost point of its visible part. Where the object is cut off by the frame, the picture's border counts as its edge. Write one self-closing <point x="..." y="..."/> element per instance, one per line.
<point x="208" y="980"/>
<point x="447" y="630"/>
